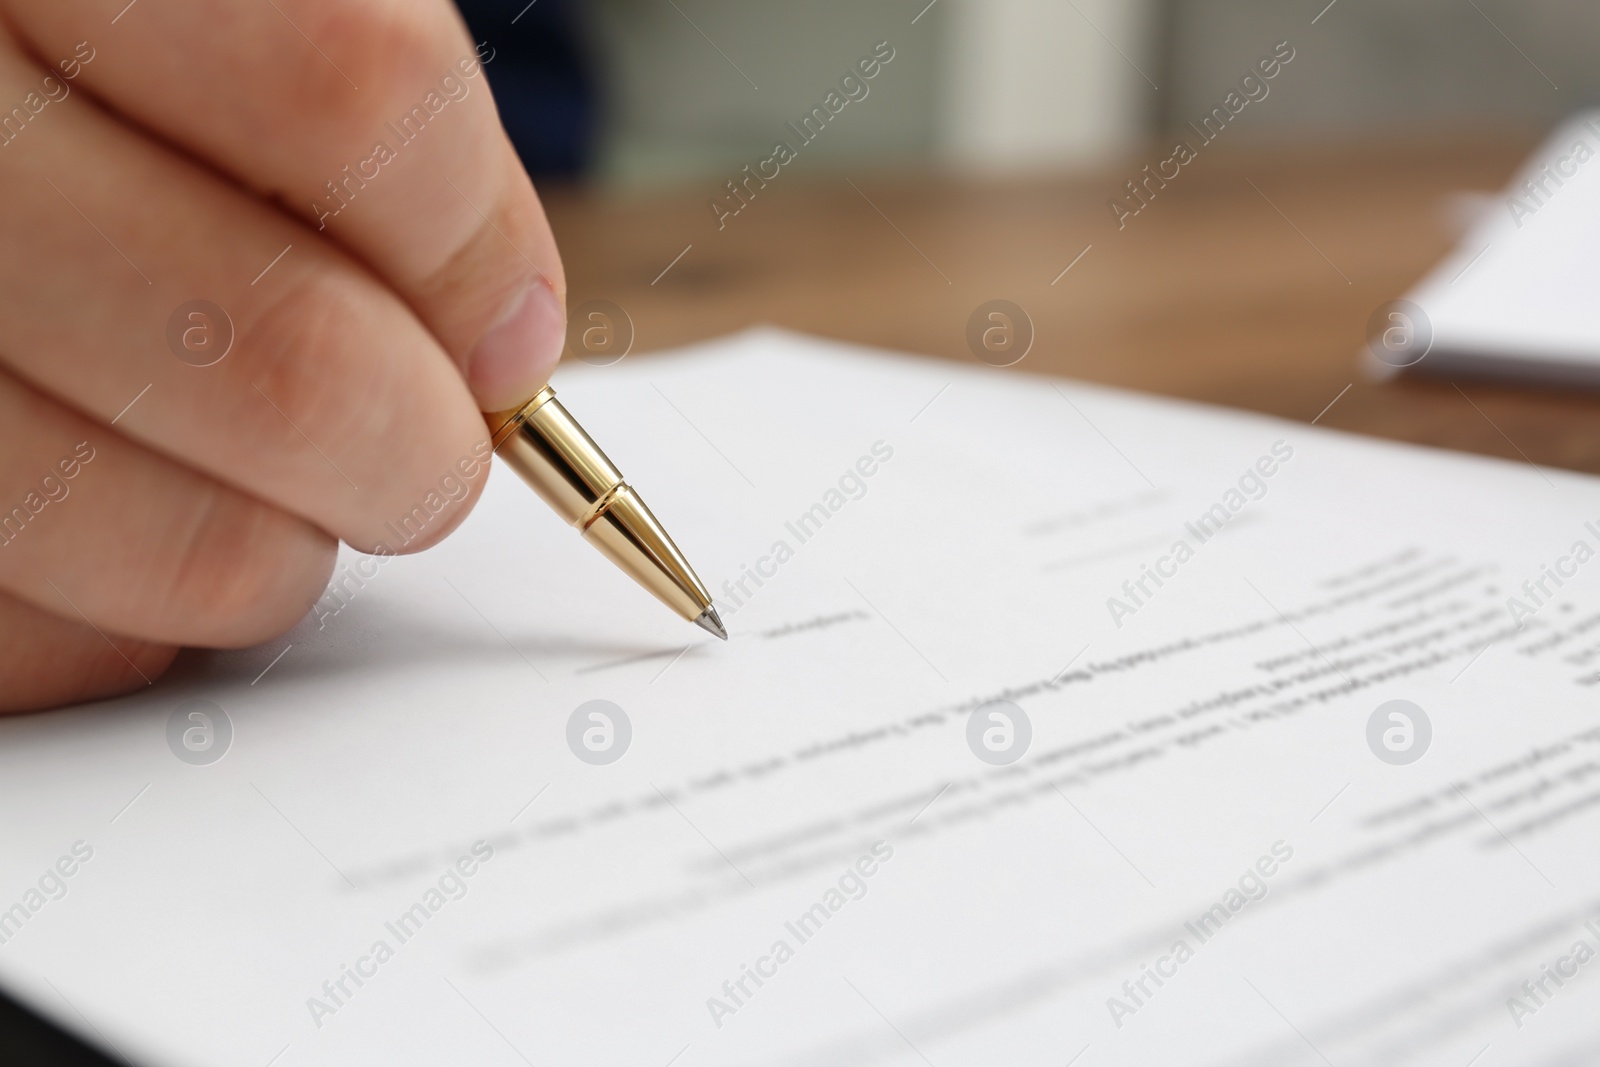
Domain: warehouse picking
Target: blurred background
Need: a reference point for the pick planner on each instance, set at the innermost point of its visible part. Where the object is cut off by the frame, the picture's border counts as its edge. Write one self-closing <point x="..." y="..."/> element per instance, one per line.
<point x="649" y="92"/>
<point x="983" y="161"/>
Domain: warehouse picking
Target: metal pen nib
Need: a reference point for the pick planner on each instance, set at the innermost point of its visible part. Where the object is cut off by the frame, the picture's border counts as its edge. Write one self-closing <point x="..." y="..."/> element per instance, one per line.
<point x="552" y="453"/>
<point x="711" y="622"/>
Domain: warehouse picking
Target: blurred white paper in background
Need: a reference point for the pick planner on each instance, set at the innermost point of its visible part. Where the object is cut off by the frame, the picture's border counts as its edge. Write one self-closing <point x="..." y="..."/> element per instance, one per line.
<point x="419" y="845"/>
<point x="1517" y="299"/>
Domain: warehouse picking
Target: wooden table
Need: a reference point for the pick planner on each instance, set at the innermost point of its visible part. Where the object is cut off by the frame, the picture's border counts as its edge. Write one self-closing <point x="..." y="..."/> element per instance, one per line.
<point x="1247" y="281"/>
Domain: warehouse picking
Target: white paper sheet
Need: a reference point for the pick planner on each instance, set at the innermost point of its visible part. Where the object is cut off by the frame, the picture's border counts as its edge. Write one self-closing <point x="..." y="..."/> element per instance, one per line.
<point x="1516" y="299"/>
<point x="1212" y="726"/>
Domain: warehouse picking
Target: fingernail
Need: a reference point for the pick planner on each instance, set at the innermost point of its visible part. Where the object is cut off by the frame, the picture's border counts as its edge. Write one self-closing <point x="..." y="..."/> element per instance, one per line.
<point x="517" y="356"/>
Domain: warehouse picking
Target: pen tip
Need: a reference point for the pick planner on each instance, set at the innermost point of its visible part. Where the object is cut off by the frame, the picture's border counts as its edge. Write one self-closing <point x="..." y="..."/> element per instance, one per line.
<point x="709" y="622"/>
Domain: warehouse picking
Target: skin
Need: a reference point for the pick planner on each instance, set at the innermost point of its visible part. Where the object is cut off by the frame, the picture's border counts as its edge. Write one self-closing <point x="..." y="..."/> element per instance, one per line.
<point x="186" y="154"/>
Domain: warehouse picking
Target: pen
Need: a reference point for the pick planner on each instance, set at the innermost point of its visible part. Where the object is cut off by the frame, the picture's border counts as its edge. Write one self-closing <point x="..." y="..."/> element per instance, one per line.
<point x="552" y="453"/>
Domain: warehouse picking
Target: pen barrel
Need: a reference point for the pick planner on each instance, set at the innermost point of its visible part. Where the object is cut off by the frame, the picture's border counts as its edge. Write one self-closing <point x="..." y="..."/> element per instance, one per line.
<point x="559" y="461"/>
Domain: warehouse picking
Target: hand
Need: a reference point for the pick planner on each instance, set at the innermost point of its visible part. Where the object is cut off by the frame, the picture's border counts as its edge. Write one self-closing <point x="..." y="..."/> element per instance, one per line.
<point x="332" y="176"/>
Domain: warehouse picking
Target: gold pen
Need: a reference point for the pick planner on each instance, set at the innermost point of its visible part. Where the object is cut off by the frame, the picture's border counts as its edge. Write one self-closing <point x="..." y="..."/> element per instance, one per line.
<point x="550" y="451"/>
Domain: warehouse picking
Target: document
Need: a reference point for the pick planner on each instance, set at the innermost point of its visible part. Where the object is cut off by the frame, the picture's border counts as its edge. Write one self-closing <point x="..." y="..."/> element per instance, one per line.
<point x="1057" y="725"/>
<point x="1515" y="299"/>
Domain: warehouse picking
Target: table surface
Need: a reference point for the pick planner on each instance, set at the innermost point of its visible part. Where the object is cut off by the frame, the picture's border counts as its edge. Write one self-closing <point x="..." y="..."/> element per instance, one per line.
<point x="1248" y="281"/>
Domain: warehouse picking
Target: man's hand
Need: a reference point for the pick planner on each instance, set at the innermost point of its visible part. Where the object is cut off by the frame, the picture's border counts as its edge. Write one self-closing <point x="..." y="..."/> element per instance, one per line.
<point x="331" y="179"/>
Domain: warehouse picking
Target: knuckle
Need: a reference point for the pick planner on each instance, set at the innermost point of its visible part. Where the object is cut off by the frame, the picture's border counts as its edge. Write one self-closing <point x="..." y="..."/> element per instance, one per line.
<point x="337" y="398"/>
<point x="307" y="355"/>
<point x="387" y="50"/>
